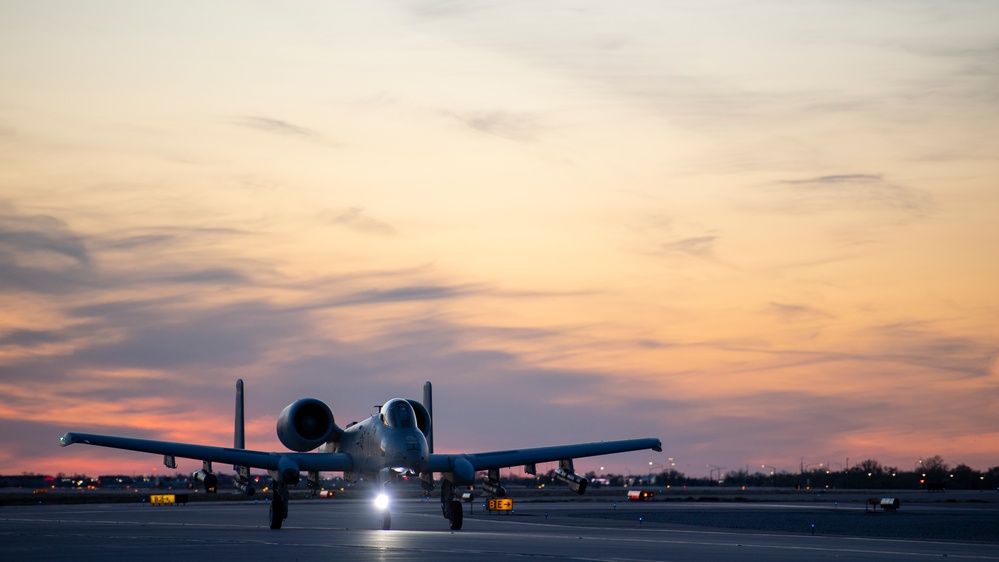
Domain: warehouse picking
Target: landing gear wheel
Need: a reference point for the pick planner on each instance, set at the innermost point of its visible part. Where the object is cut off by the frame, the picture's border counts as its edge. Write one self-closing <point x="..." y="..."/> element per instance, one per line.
<point x="276" y="518"/>
<point x="447" y="494"/>
<point x="279" y="505"/>
<point x="386" y="520"/>
<point x="457" y="514"/>
<point x="451" y="505"/>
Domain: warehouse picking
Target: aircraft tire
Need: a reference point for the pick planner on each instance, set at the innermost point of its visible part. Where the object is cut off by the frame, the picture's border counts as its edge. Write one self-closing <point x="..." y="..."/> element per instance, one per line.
<point x="386" y="521"/>
<point x="276" y="518"/>
<point x="447" y="496"/>
<point x="457" y="515"/>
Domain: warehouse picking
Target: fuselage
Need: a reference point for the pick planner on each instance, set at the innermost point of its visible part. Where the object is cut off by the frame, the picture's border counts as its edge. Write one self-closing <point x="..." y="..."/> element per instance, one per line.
<point x="389" y="440"/>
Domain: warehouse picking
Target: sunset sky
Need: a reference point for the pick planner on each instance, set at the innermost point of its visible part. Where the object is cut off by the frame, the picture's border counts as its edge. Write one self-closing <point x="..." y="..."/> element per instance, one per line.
<point x="764" y="232"/>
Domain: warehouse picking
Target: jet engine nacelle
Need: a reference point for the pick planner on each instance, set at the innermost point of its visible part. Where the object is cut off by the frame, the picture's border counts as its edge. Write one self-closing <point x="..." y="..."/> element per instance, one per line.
<point x="306" y="424"/>
<point x="210" y="481"/>
<point x="423" y="420"/>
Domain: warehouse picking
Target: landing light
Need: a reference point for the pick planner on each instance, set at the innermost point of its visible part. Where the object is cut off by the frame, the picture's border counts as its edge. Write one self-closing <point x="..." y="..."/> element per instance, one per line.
<point x="382" y="501"/>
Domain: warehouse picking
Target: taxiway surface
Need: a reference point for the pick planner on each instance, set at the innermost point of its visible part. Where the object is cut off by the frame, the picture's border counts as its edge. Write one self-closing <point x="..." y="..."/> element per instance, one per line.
<point x="349" y="530"/>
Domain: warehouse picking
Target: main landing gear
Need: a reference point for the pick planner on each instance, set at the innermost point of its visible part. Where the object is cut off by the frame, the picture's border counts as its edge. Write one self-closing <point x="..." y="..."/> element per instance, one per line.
<point x="279" y="505"/>
<point x="451" y="505"/>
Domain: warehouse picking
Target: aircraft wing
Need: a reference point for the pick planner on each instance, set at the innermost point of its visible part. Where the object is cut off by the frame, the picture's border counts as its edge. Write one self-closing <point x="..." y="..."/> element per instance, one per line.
<point x="463" y="464"/>
<point x="240" y="457"/>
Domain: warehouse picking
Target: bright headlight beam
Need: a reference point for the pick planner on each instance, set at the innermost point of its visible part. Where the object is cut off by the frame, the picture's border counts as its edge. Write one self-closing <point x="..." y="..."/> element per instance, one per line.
<point x="382" y="501"/>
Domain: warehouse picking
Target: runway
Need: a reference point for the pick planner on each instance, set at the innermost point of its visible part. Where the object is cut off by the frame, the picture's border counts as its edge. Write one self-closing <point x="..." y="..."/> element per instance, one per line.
<point x="561" y="530"/>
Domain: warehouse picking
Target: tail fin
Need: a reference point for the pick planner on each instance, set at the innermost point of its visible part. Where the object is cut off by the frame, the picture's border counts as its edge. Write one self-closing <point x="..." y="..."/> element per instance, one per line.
<point x="239" y="437"/>
<point x="239" y="442"/>
<point x="428" y="403"/>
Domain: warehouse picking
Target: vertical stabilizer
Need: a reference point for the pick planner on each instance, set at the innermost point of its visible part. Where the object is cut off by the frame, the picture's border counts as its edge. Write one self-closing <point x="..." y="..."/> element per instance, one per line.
<point x="239" y="442"/>
<point x="428" y="403"/>
<point x="239" y="439"/>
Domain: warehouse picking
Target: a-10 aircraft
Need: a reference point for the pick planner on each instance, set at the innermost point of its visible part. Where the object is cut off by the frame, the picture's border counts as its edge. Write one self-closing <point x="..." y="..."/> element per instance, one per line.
<point x="399" y="439"/>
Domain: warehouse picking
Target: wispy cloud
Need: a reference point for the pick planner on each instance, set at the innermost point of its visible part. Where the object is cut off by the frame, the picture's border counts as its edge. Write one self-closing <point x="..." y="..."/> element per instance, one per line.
<point x="974" y="72"/>
<point x="923" y="345"/>
<point x="852" y="192"/>
<point x="400" y="294"/>
<point x="522" y="127"/>
<point x="170" y="336"/>
<point x="790" y="312"/>
<point x="279" y="127"/>
<point x="30" y="338"/>
<point x="41" y="254"/>
<point x="697" y="246"/>
<point x="35" y="236"/>
<point x="130" y="242"/>
<point x="213" y="275"/>
<point x="837" y="179"/>
<point x="443" y="8"/>
<point x="357" y="219"/>
<point x="8" y="136"/>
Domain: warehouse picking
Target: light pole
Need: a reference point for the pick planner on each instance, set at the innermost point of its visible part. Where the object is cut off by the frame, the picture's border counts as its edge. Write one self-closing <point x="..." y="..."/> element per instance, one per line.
<point x="808" y="481"/>
<point x="774" y="472"/>
<point x="712" y="472"/>
<point x="651" y="465"/>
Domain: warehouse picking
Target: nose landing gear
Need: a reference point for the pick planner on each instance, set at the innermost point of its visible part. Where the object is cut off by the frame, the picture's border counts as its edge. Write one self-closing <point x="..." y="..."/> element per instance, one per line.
<point x="382" y="505"/>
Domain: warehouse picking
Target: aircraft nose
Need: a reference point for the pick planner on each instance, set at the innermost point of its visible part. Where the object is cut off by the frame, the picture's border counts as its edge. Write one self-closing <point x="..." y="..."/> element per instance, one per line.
<point x="413" y="454"/>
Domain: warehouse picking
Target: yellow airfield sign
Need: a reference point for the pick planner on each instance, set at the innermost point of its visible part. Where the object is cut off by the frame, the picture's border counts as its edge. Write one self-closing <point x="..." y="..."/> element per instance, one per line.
<point x="499" y="504"/>
<point x="158" y="499"/>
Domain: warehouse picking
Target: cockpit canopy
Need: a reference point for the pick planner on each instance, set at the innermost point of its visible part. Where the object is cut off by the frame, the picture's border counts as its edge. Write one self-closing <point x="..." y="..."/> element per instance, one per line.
<point x="398" y="413"/>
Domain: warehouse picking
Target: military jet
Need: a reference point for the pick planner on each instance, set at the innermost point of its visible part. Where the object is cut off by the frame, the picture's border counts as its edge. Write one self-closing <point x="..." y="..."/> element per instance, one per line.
<point x="397" y="440"/>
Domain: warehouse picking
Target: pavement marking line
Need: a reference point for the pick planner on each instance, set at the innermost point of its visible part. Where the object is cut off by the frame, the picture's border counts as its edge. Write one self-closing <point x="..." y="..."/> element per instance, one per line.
<point x="743" y="544"/>
<point x="451" y="549"/>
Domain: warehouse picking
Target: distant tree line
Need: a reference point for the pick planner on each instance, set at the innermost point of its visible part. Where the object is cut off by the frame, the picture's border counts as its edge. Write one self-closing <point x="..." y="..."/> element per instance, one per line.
<point x="929" y="474"/>
<point x="116" y="481"/>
